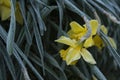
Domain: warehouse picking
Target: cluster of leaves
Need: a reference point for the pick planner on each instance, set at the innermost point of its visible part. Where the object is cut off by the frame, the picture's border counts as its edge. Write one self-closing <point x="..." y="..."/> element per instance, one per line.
<point x="28" y="50"/>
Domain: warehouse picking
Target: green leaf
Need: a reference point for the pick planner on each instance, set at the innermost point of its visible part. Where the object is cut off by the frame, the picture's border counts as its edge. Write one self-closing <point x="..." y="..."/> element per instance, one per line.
<point x="38" y="17"/>
<point x="17" y="51"/>
<point x="11" y="32"/>
<point x="52" y="61"/>
<point x="78" y="73"/>
<point x="60" y="8"/>
<point x="47" y="10"/>
<point x="36" y="60"/>
<point x="97" y="72"/>
<point x="38" y="38"/>
<point x="8" y="61"/>
<point x="3" y="73"/>
<point x="75" y="9"/>
<point x="113" y="52"/>
<point x="27" y="32"/>
<point x="20" y="37"/>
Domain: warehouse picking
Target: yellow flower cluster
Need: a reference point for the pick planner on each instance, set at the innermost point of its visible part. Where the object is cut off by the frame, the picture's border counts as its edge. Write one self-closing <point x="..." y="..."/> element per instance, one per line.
<point x="5" y="11"/>
<point x="77" y="50"/>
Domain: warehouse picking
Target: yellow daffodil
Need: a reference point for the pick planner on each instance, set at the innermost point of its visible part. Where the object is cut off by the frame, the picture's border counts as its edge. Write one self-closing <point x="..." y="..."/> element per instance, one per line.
<point x="77" y="32"/>
<point x="18" y="14"/>
<point x="5" y="11"/>
<point x="97" y="39"/>
<point x="104" y="29"/>
<point x="99" y="42"/>
<point x="94" y="26"/>
<point x="112" y="42"/>
<point x="74" y="52"/>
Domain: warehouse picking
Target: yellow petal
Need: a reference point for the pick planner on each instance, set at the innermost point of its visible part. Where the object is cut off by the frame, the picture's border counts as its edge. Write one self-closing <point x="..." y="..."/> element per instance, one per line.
<point x="75" y="27"/>
<point x="89" y="42"/>
<point x="98" y="41"/>
<point x="7" y="3"/>
<point x="18" y="15"/>
<point x="63" y="53"/>
<point x="5" y="12"/>
<point x="66" y="40"/>
<point x="94" y="77"/>
<point x="104" y="29"/>
<point x="73" y="55"/>
<point x="87" y="56"/>
<point x="113" y="43"/>
<point x="74" y="62"/>
<point x="76" y="36"/>
<point x="71" y="34"/>
<point x="1" y="2"/>
<point x="94" y="26"/>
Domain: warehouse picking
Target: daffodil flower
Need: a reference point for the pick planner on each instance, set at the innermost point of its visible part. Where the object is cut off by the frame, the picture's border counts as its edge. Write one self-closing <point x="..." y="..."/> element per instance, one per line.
<point x="99" y="42"/>
<point x="97" y="39"/>
<point x="89" y="41"/>
<point x="5" y="11"/>
<point x="77" y="32"/>
<point x="74" y="52"/>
